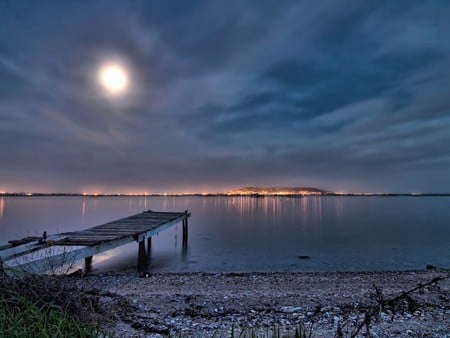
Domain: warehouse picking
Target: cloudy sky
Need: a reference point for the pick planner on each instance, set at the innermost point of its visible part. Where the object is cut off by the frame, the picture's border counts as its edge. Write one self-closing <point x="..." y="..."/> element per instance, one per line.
<point x="341" y="95"/>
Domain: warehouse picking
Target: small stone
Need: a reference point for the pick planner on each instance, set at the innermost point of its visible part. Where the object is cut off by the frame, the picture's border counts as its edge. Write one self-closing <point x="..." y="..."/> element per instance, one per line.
<point x="157" y="328"/>
<point x="290" y="309"/>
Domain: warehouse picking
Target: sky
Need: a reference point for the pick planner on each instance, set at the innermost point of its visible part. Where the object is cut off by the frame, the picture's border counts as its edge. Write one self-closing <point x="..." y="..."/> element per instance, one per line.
<point x="350" y="96"/>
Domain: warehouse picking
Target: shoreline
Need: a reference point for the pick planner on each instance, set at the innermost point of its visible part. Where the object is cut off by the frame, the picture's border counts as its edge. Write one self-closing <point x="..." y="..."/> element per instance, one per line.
<point x="197" y="304"/>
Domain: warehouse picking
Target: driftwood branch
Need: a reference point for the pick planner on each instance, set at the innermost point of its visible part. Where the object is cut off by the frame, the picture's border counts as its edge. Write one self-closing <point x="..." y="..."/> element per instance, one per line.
<point x="383" y="303"/>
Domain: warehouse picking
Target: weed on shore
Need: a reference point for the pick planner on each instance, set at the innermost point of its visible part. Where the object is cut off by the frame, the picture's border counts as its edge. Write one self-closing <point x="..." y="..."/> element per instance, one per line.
<point x="33" y="306"/>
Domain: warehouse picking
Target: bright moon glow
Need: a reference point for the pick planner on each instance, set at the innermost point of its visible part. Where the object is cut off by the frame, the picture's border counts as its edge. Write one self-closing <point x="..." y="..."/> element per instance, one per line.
<point x="113" y="78"/>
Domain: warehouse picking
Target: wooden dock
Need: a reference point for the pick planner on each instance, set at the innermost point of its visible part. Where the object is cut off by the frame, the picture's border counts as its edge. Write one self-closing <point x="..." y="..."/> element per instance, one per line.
<point x="33" y="254"/>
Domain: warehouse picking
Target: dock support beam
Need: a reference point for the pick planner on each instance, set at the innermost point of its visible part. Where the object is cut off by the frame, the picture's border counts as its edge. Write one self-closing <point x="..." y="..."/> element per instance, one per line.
<point x="142" y="256"/>
<point x="149" y="247"/>
<point x="88" y="264"/>
<point x="185" y="233"/>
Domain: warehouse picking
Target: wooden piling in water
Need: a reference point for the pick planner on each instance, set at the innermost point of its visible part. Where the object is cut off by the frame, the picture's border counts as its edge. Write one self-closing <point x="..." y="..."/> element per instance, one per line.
<point x="142" y="256"/>
<point x="185" y="232"/>
<point x="149" y="247"/>
<point x="88" y="264"/>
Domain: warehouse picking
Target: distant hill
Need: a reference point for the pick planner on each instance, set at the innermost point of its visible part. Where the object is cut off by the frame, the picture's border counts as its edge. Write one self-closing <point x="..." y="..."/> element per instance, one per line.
<point x="277" y="191"/>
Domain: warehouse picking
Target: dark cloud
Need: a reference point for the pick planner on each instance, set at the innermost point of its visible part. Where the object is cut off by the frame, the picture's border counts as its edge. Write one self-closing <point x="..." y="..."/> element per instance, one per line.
<point x="345" y="95"/>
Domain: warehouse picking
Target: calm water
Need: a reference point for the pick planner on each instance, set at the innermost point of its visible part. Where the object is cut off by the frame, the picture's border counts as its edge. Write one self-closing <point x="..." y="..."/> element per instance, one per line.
<point x="256" y="234"/>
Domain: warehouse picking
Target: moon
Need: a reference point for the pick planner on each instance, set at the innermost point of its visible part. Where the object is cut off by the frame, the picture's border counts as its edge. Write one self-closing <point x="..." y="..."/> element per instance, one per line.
<point x="113" y="78"/>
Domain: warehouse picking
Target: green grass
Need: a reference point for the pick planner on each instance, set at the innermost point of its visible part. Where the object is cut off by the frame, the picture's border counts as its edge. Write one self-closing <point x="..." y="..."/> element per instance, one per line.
<point x="21" y="318"/>
<point x="38" y="307"/>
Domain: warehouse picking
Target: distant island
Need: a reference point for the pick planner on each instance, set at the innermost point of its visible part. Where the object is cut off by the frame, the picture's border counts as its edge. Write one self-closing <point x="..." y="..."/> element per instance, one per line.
<point x="269" y="191"/>
<point x="310" y="191"/>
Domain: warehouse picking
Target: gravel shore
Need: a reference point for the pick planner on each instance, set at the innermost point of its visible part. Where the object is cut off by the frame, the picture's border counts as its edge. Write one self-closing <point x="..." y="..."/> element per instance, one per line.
<point x="201" y="305"/>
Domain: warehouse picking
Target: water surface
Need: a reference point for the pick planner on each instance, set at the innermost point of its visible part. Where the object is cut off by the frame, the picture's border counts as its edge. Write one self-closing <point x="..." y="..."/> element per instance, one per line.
<point x="336" y="233"/>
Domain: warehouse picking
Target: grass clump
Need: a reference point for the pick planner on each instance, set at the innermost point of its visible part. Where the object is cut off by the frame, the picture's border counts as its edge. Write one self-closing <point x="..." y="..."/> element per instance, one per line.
<point x="39" y="307"/>
<point x="25" y="319"/>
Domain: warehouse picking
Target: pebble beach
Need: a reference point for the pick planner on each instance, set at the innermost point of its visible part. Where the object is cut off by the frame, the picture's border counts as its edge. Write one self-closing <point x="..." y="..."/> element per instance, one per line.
<point x="381" y="304"/>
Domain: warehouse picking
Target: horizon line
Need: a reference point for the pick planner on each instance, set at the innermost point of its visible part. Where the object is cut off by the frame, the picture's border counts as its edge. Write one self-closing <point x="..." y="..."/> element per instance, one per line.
<point x="119" y="194"/>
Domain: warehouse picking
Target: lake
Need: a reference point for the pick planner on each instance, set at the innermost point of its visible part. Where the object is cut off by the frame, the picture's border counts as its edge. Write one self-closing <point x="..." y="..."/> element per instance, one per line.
<point x="336" y="233"/>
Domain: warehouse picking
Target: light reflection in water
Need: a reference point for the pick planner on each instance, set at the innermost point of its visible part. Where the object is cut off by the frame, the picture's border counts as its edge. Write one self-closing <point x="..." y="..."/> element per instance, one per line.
<point x="308" y="209"/>
<point x="304" y="208"/>
<point x="339" y="207"/>
<point x="317" y="210"/>
<point x="103" y="256"/>
<point x="2" y="208"/>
